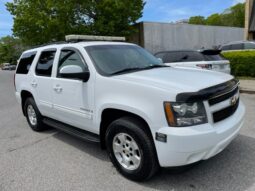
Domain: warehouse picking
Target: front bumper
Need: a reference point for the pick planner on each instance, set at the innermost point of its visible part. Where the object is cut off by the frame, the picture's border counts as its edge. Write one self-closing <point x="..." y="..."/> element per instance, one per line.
<point x="191" y="144"/>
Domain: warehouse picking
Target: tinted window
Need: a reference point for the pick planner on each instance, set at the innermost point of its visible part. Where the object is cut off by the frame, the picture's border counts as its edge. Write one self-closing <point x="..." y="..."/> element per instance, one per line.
<point x="160" y="55"/>
<point x="214" y="57"/>
<point x="183" y="56"/>
<point x="109" y="59"/>
<point x="226" y="47"/>
<point x="25" y="62"/>
<point x="237" y="46"/>
<point x="70" y="57"/>
<point x="44" y="65"/>
<point x="249" y="46"/>
<point x="172" y="57"/>
<point x="192" y="57"/>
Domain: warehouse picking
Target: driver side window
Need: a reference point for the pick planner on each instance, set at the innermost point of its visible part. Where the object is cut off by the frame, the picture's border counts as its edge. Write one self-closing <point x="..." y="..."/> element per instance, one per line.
<point x="70" y="58"/>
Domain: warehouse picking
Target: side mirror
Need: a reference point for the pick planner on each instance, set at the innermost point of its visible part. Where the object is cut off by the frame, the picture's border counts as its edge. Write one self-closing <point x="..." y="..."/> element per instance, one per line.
<point x="74" y="72"/>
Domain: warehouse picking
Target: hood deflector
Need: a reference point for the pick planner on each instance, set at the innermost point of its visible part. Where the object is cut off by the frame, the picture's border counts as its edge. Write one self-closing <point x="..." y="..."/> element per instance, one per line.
<point x="208" y="93"/>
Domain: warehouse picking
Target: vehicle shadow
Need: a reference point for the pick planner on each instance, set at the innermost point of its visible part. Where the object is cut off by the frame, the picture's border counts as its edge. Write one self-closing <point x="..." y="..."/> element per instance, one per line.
<point x="92" y="149"/>
<point x="233" y="169"/>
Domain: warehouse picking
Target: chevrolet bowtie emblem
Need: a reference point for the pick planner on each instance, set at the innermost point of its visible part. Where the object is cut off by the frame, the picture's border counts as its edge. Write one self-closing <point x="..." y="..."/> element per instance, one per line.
<point x="233" y="101"/>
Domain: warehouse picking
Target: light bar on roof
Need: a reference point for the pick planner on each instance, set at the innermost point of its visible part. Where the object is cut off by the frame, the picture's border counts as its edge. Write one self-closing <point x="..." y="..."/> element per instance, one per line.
<point x="79" y="38"/>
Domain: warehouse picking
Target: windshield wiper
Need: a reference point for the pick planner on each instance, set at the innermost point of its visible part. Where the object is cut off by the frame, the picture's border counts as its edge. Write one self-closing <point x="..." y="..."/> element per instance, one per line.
<point x="127" y="70"/>
<point x="155" y="66"/>
<point x="134" y="69"/>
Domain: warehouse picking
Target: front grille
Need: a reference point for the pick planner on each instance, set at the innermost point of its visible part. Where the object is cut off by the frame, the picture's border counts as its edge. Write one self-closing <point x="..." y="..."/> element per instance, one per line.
<point x="223" y="97"/>
<point x="225" y="113"/>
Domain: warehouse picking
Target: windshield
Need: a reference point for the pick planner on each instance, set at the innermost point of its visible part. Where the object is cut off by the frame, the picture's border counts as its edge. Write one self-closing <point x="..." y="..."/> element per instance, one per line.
<point x="111" y="59"/>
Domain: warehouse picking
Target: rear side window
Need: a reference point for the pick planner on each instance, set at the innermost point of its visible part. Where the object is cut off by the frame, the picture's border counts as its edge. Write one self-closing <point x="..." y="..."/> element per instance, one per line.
<point x="45" y="62"/>
<point x="226" y="47"/>
<point x="237" y="46"/>
<point x="249" y="46"/>
<point x="25" y="62"/>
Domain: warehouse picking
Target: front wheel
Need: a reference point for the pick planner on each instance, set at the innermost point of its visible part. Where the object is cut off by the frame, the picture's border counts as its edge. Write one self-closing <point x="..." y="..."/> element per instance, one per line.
<point x="131" y="149"/>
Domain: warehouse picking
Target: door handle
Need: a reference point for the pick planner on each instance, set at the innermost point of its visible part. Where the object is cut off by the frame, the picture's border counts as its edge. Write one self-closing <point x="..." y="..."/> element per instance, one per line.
<point x="33" y="84"/>
<point x="58" y="89"/>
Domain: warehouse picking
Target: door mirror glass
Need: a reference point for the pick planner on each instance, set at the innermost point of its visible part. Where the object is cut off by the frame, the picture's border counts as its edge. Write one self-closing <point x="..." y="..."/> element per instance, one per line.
<point x="74" y="72"/>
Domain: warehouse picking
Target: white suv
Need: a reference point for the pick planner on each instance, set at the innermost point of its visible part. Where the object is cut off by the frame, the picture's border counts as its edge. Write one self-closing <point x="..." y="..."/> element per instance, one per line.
<point x="147" y="115"/>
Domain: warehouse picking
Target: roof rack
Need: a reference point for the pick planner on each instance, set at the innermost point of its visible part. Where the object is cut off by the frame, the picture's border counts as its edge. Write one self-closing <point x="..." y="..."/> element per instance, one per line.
<point x="47" y="44"/>
<point x="81" y="38"/>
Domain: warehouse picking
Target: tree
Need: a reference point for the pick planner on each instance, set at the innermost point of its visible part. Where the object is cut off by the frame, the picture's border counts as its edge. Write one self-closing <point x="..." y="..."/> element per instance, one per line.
<point x="233" y="16"/>
<point x="214" y="20"/>
<point x="238" y="15"/>
<point x="42" y="21"/>
<point x="197" y="20"/>
<point x="10" y="49"/>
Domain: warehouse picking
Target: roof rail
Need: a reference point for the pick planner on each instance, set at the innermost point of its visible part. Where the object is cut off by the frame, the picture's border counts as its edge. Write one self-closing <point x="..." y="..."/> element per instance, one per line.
<point x="80" y="38"/>
<point x="47" y="44"/>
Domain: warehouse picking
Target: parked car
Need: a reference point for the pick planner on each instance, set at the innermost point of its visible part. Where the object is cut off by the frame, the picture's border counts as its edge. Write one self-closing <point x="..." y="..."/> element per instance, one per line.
<point x="146" y="114"/>
<point x="7" y="66"/>
<point x="205" y="59"/>
<point x="238" y="45"/>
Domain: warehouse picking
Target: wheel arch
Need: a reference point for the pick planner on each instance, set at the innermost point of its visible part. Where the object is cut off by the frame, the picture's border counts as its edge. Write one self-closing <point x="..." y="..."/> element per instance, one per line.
<point x="108" y="115"/>
<point x="24" y="95"/>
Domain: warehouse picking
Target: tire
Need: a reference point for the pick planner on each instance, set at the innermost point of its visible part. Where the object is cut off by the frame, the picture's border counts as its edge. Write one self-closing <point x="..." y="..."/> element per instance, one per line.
<point x="140" y="160"/>
<point x="30" y="107"/>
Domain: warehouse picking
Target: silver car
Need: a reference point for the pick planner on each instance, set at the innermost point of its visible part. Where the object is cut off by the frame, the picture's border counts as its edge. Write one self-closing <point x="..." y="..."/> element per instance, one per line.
<point x="238" y="45"/>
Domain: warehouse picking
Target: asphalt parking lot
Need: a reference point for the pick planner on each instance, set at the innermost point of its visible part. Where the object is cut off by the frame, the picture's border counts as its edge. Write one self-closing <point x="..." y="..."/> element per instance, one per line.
<point x="53" y="160"/>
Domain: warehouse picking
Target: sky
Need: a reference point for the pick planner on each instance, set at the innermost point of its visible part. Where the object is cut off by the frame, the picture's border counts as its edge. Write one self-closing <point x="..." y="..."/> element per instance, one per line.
<point x="154" y="10"/>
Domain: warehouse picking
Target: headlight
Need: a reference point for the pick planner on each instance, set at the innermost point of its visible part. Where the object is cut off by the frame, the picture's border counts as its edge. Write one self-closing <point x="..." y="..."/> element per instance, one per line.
<point x="185" y="114"/>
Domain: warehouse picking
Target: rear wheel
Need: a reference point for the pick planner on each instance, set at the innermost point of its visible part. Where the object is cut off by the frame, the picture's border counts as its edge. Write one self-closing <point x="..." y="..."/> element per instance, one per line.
<point x="34" y="118"/>
<point x="131" y="149"/>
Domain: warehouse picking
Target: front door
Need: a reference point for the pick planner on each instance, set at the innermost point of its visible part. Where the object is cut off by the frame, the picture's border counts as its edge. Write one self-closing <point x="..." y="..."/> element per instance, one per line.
<point x="73" y="98"/>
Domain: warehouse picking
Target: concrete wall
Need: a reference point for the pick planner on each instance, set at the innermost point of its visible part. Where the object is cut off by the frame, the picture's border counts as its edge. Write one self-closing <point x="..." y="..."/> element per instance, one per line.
<point x="164" y="36"/>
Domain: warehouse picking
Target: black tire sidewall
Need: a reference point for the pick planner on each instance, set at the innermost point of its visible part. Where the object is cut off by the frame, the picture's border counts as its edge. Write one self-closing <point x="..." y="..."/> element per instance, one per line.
<point x="144" y="143"/>
<point x="39" y="125"/>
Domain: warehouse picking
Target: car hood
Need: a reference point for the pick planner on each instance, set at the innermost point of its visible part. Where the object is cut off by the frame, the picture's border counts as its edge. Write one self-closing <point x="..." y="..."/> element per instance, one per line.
<point x="177" y="79"/>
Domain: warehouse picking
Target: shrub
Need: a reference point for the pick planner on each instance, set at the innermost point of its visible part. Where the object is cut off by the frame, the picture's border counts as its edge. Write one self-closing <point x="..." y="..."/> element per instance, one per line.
<point x="242" y="62"/>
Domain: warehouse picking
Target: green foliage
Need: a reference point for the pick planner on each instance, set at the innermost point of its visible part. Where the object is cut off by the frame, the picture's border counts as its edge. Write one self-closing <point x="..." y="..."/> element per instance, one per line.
<point x="214" y="19"/>
<point x="42" y="21"/>
<point x="242" y="62"/>
<point x="10" y="50"/>
<point x="234" y="17"/>
<point x="197" y="20"/>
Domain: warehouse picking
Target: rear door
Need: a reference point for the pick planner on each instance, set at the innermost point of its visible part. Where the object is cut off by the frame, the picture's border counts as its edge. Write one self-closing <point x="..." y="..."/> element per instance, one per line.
<point x="41" y="82"/>
<point x="73" y="98"/>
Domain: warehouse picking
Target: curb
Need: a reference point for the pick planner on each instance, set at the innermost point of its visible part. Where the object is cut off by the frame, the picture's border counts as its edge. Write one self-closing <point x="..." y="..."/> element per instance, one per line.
<point x="245" y="91"/>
